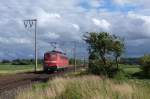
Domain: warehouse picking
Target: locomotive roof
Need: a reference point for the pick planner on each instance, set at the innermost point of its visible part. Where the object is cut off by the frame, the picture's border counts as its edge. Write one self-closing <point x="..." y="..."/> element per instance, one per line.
<point x="54" y="51"/>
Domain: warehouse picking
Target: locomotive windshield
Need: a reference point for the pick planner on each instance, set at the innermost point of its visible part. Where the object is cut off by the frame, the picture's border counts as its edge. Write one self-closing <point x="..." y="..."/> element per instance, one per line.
<point x="50" y="56"/>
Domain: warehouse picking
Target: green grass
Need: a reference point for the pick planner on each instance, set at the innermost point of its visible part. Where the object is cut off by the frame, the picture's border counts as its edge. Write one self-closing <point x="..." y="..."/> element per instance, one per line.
<point x="130" y="69"/>
<point x="86" y="87"/>
<point x="81" y="85"/>
<point x="10" y="69"/>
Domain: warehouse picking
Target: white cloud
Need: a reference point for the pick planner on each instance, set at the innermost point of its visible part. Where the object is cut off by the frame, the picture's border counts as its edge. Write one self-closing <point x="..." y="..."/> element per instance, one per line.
<point x="143" y="4"/>
<point x="138" y="16"/>
<point x="13" y="40"/>
<point x="76" y="27"/>
<point x="51" y="35"/>
<point x="95" y="3"/>
<point x="104" y="24"/>
<point x="123" y="2"/>
<point x="55" y="15"/>
<point x="68" y="20"/>
<point x="146" y="22"/>
<point x="45" y="17"/>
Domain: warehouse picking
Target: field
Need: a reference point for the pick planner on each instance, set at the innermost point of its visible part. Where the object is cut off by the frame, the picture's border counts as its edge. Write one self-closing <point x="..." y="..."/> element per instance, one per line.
<point x="10" y="69"/>
<point x="130" y="69"/>
<point x="86" y="86"/>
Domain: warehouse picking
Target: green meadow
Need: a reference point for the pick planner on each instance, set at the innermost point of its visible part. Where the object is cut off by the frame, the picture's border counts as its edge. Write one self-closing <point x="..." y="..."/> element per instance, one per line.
<point x="10" y="69"/>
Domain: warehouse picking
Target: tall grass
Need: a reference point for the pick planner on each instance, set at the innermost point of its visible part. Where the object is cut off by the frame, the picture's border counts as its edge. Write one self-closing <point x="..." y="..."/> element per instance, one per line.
<point x="85" y="87"/>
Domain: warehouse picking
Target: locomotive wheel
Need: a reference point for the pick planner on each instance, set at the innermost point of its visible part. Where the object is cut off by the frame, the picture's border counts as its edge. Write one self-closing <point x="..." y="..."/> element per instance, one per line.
<point x="63" y="69"/>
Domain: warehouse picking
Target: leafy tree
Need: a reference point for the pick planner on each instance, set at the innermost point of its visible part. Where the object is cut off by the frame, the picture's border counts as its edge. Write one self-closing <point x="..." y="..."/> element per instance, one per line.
<point x="100" y="43"/>
<point x="102" y="47"/>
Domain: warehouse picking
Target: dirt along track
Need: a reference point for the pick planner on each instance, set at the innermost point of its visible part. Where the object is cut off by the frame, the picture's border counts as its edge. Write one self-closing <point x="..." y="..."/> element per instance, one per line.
<point x="10" y="82"/>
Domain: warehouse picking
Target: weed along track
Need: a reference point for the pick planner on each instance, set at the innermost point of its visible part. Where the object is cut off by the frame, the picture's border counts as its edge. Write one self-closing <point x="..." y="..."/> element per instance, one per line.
<point x="15" y="81"/>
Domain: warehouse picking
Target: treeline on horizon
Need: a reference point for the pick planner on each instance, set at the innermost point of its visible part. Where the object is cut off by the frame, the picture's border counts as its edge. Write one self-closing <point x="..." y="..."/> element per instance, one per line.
<point x="21" y="61"/>
<point x="40" y="61"/>
<point x="131" y="61"/>
<point x="128" y="61"/>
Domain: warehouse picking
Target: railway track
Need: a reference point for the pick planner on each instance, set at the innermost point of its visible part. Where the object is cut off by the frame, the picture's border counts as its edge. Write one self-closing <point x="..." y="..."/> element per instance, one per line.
<point x="23" y="79"/>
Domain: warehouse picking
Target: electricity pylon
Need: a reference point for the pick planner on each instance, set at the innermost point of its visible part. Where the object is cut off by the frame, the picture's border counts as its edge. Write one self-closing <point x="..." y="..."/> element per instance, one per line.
<point x="28" y="25"/>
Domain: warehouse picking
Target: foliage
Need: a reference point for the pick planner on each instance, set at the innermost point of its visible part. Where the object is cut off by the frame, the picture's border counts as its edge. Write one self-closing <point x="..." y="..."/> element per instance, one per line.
<point x="117" y="48"/>
<point x="121" y="75"/>
<point x="145" y="62"/>
<point x="103" y="47"/>
<point x="97" y="67"/>
<point x="5" y="61"/>
<point x="25" y="61"/>
<point x="21" y="62"/>
<point x="131" y="61"/>
<point x="99" y="43"/>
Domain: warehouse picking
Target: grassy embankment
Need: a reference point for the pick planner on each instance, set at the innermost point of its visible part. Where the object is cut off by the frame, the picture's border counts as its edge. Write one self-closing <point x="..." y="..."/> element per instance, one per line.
<point x="85" y="86"/>
<point x="11" y="69"/>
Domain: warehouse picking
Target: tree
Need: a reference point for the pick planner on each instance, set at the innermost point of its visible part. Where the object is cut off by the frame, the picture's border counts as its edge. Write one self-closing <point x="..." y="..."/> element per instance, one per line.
<point x="117" y="48"/>
<point x="145" y="62"/>
<point x="104" y="46"/>
<point x="100" y="43"/>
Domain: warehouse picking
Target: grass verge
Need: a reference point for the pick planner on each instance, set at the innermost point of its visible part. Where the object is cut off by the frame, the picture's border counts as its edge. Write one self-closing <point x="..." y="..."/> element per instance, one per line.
<point x="86" y="87"/>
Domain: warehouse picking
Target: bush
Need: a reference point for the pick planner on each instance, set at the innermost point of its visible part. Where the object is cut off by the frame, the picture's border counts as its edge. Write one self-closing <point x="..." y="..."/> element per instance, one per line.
<point x="121" y="75"/>
<point x="145" y="62"/>
<point x="97" y="67"/>
<point x="20" y="62"/>
<point x="5" y="61"/>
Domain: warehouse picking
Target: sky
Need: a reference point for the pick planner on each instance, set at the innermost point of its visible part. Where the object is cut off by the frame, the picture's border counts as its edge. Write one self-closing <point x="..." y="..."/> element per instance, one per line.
<point x="69" y="20"/>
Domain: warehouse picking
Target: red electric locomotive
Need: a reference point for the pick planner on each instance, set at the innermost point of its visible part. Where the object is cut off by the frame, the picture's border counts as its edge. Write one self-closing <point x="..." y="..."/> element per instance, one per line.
<point x="55" y="60"/>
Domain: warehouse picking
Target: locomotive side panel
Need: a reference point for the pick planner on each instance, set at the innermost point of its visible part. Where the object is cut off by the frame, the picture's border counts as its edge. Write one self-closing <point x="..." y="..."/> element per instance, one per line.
<point x="62" y="61"/>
